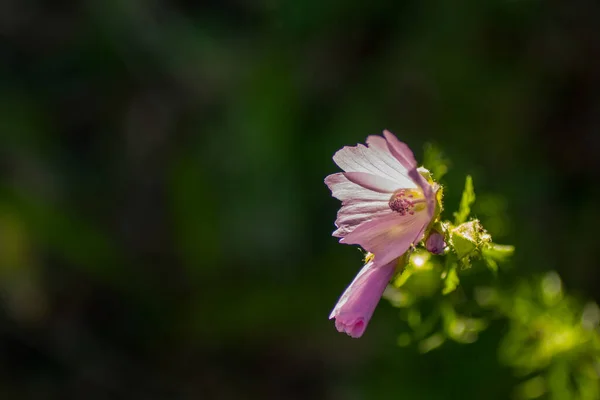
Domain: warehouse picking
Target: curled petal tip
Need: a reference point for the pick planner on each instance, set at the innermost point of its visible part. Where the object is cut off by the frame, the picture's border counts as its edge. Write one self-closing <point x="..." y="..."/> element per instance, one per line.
<point x="357" y="304"/>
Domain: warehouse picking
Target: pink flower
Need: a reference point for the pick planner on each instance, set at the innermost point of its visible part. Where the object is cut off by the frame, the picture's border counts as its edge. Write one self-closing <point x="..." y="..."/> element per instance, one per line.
<point x="386" y="203"/>
<point x="386" y="207"/>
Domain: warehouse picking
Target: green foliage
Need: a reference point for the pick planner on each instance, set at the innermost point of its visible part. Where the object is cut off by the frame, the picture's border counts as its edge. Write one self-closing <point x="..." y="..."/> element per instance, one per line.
<point x="435" y="161"/>
<point x="468" y="198"/>
<point x="498" y="252"/>
<point x="493" y="253"/>
<point x="551" y="336"/>
<point x="451" y="280"/>
<point x="553" y="342"/>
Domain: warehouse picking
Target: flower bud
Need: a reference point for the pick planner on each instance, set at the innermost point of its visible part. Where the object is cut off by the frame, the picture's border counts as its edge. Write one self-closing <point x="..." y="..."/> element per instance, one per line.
<point x="435" y="243"/>
<point x="469" y="238"/>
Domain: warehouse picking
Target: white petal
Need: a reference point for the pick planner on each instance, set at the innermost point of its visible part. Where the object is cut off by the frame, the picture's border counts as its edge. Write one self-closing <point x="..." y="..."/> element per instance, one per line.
<point x="351" y="193"/>
<point x="373" y="161"/>
<point x="378" y="146"/>
<point x="372" y="182"/>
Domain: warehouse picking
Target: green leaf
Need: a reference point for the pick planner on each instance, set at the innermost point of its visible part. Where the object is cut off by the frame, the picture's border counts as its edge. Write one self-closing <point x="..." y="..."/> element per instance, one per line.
<point x="491" y="264"/>
<point x="451" y="282"/>
<point x="468" y="197"/>
<point x="434" y="161"/>
<point x="402" y="277"/>
<point x="431" y="343"/>
<point x="427" y="325"/>
<point x="497" y="252"/>
<point x="494" y="253"/>
<point x="406" y="270"/>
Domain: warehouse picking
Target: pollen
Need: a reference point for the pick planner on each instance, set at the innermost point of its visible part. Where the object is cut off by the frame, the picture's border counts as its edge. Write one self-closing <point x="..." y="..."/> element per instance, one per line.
<point x="404" y="201"/>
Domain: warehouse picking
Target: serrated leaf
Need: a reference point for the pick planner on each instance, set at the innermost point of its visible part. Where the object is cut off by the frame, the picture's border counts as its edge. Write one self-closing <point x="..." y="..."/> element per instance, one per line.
<point x="467" y="199"/>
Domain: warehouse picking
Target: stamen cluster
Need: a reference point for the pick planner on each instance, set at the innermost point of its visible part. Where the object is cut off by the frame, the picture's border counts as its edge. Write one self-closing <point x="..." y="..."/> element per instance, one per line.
<point x="402" y="202"/>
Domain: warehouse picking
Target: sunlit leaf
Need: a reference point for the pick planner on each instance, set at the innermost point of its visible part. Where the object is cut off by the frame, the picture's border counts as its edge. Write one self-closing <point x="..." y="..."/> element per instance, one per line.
<point x="468" y="198"/>
<point x="497" y="252"/>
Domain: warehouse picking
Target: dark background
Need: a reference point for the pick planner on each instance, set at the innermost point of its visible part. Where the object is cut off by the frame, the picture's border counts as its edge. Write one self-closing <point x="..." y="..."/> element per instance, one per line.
<point x="164" y="226"/>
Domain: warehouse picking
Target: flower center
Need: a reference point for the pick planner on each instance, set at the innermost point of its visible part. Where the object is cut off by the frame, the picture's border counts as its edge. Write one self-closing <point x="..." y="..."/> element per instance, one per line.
<point x="406" y="201"/>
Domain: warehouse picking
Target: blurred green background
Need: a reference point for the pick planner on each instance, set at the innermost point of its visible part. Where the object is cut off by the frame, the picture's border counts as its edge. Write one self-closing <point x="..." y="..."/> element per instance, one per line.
<point x="164" y="226"/>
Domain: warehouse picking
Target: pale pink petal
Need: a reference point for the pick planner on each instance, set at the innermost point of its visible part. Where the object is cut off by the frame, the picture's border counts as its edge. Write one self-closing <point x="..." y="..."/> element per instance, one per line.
<point x="366" y="159"/>
<point x="352" y="159"/>
<point x="400" y="150"/>
<point x="427" y="190"/>
<point x="389" y="235"/>
<point x="379" y="145"/>
<point x="352" y="215"/>
<point x="358" y="203"/>
<point x="372" y="182"/>
<point x="349" y="192"/>
<point x="358" y="302"/>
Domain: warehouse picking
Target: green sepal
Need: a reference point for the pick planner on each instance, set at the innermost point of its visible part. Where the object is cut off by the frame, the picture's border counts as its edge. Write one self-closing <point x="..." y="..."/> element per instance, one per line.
<point x="469" y="238"/>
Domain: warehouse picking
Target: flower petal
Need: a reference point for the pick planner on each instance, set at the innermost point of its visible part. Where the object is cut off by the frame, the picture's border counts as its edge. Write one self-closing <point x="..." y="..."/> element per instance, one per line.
<point x="358" y="302"/>
<point x="400" y="150"/>
<point x="349" y="192"/>
<point x="358" y="203"/>
<point x="389" y="235"/>
<point x="352" y="215"/>
<point x="372" y="182"/>
<point x="366" y="159"/>
<point x="379" y="145"/>
<point x="427" y="190"/>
